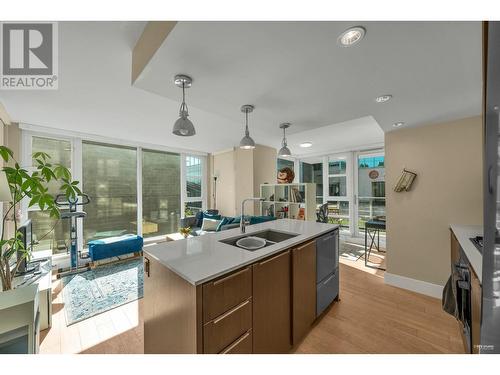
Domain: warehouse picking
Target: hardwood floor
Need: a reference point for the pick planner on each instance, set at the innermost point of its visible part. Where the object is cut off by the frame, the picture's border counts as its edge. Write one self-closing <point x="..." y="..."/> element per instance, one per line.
<point x="371" y="317"/>
<point x="115" y="331"/>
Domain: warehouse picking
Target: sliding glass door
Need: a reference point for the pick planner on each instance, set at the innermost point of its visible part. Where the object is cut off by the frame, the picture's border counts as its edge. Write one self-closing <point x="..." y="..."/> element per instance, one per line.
<point x="49" y="233"/>
<point x="110" y="179"/>
<point x="311" y="170"/>
<point x="339" y="193"/>
<point x="132" y="189"/>
<point x="161" y="193"/>
<point x="193" y="195"/>
<point x="370" y="183"/>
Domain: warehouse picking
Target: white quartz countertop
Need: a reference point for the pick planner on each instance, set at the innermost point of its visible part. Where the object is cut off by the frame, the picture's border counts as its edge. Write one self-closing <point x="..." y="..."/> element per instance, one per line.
<point x="203" y="258"/>
<point x="464" y="233"/>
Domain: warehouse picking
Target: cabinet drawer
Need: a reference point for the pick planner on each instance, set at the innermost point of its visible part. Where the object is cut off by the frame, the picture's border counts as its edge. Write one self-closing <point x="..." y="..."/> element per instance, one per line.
<point x="326" y="291"/>
<point x="241" y="346"/>
<point x="223" y="294"/>
<point x="225" y="329"/>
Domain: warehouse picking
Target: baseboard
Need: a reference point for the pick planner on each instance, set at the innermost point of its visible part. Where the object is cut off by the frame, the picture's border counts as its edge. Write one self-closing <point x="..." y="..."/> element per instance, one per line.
<point x="419" y="286"/>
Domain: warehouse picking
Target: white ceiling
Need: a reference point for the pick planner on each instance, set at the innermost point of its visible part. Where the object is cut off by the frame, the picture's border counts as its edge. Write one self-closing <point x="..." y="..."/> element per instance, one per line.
<point x="291" y="71"/>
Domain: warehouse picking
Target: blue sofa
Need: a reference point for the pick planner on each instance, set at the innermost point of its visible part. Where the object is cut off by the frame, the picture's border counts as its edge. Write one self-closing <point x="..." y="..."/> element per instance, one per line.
<point x="228" y="222"/>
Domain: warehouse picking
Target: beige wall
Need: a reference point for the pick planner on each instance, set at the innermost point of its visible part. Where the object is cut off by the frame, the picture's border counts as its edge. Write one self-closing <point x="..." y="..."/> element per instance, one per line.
<point x="223" y="168"/>
<point x="240" y="173"/>
<point x="244" y="178"/>
<point x="264" y="169"/>
<point x="448" y="160"/>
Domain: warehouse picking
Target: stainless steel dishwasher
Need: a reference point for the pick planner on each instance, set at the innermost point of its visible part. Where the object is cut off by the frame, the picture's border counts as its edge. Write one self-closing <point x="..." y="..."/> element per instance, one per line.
<point x="327" y="270"/>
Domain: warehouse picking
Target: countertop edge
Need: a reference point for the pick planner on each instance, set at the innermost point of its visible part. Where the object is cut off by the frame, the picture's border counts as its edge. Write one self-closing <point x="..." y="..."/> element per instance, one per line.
<point x="243" y="264"/>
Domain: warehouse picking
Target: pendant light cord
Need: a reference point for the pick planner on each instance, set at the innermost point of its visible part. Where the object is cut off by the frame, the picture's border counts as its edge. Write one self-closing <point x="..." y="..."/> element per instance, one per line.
<point x="247" y="133"/>
<point x="184" y="109"/>
<point x="283" y="142"/>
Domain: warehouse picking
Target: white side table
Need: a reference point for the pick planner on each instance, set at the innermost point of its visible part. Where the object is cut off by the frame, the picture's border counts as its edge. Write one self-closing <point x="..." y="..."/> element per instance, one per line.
<point x="20" y="323"/>
<point x="44" y="283"/>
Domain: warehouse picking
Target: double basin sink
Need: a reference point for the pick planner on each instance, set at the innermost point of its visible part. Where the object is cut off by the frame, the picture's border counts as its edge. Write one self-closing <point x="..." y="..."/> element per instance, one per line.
<point x="258" y="240"/>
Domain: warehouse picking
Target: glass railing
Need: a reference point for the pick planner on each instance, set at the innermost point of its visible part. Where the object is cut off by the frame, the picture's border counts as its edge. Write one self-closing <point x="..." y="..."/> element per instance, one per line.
<point x="369" y="209"/>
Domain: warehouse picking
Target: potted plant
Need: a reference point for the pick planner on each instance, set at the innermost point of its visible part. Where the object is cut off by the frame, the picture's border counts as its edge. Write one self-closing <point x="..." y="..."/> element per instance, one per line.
<point x="33" y="186"/>
<point x="185" y="231"/>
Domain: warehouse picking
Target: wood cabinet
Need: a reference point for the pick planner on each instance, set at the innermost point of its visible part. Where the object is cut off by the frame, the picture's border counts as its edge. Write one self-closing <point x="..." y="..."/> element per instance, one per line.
<point x="272" y="303"/>
<point x="227" y="328"/>
<point x="225" y="293"/>
<point x="263" y="307"/>
<point x="476" y="301"/>
<point x="241" y="346"/>
<point x="171" y="316"/>
<point x="303" y="290"/>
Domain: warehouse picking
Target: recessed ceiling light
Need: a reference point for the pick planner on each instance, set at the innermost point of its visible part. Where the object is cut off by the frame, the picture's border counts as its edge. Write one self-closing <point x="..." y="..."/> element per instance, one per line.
<point x="383" y="98"/>
<point x="306" y="144"/>
<point x="351" y="36"/>
<point x="398" y="124"/>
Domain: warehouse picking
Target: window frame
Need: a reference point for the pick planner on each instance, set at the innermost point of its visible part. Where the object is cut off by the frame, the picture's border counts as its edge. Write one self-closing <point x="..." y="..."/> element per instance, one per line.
<point x="184" y="196"/>
<point x="348" y="157"/>
<point x="357" y="155"/>
<point x="76" y="139"/>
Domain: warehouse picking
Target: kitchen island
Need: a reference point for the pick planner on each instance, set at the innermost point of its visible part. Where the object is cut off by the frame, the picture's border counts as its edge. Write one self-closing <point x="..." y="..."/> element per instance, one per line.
<point x="206" y="295"/>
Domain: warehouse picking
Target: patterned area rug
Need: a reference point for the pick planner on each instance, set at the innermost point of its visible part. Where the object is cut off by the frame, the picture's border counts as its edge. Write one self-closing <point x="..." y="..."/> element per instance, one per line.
<point x="351" y="251"/>
<point x="354" y="252"/>
<point x="93" y="292"/>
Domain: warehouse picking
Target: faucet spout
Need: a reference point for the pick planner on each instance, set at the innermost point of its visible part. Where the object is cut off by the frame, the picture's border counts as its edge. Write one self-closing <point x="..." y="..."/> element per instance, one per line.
<point x="242" y="221"/>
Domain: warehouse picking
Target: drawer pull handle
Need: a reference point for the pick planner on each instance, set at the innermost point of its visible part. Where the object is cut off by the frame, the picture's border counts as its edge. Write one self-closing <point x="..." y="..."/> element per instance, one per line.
<point x="230" y="276"/>
<point x="271" y="259"/>
<point x="226" y="314"/>
<point x="328" y="280"/>
<point x="304" y="245"/>
<point x="236" y="343"/>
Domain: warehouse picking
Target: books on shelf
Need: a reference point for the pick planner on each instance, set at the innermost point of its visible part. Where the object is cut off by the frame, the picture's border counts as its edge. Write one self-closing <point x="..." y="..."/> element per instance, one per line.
<point x="296" y="196"/>
<point x="294" y="201"/>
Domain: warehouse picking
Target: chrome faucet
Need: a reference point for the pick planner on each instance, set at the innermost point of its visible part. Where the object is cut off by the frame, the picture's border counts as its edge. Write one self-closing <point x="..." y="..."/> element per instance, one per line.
<point x="242" y="221"/>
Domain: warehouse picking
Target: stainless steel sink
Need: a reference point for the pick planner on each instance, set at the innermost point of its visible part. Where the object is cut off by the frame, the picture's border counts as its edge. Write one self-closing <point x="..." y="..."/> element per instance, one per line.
<point x="270" y="236"/>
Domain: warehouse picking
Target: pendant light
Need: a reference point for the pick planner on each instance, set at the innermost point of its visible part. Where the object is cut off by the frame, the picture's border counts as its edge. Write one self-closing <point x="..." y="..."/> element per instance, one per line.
<point x="183" y="126"/>
<point x="247" y="142"/>
<point x="284" y="151"/>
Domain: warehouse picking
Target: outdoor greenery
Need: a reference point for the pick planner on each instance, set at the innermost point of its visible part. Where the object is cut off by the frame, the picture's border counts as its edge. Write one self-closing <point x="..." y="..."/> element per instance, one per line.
<point x="31" y="185"/>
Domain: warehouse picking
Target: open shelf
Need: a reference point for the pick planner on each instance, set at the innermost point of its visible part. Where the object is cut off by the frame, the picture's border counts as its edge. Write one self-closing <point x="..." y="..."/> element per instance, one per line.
<point x="289" y="201"/>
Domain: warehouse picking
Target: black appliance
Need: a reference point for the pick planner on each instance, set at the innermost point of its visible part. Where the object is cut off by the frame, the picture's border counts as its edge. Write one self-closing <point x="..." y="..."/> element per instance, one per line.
<point x="462" y="280"/>
<point x="26" y="231"/>
<point x="478" y="242"/>
<point x="327" y="270"/>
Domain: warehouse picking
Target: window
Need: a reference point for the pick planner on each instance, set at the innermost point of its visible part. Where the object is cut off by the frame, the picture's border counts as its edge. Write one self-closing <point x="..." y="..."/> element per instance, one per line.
<point x="170" y="184"/>
<point x="338" y="213"/>
<point x="339" y="201"/>
<point x="193" y="201"/>
<point x="337" y="178"/>
<point x="284" y="163"/>
<point x="371" y="188"/>
<point x="49" y="233"/>
<point x="313" y="172"/>
<point x="161" y="193"/>
<point x="110" y="180"/>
